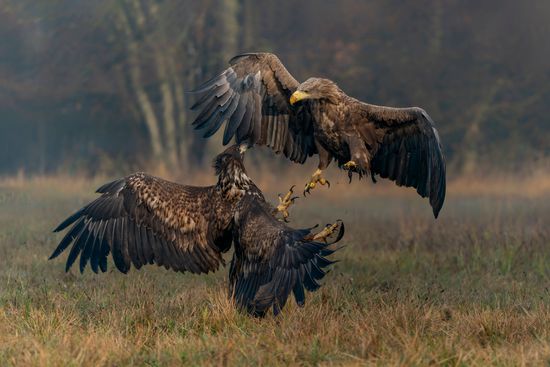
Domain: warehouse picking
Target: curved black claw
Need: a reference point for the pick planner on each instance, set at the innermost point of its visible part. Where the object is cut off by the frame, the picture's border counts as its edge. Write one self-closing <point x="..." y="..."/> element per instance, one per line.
<point x="285" y="202"/>
<point x="328" y="232"/>
<point x="307" y="189"/>
<point x="315" y="180"/>
<point x="341" y="231"/>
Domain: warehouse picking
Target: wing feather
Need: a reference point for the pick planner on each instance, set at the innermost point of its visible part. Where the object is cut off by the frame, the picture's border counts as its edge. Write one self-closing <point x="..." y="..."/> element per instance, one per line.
<point x="270" y="120"/>
<point x="143" y="220"/>
<point x="405" y="147"/>
<point x="235" y="119"/>
<point x="88" y="247"/>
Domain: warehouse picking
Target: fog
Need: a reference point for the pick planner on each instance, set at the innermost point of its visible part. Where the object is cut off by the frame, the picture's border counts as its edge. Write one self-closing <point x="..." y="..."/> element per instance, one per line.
<point x="100" y="86"/>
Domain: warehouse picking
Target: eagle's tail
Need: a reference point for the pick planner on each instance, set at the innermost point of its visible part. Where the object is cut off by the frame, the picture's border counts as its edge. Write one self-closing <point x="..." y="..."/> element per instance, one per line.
<point x="297" y="266"/>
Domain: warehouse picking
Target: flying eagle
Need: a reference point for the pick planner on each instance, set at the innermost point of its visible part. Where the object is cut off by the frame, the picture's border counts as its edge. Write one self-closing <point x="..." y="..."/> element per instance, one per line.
<point x="141" y="219"/>
<point x="264" y="105"/>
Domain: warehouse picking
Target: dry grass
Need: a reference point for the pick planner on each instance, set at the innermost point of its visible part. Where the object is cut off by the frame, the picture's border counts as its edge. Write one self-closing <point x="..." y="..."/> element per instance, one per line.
<point x="471" y="288"/>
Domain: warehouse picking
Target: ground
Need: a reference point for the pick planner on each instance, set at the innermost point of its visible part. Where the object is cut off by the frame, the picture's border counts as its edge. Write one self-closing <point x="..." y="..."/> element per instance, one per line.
<point x="470" y="288"/>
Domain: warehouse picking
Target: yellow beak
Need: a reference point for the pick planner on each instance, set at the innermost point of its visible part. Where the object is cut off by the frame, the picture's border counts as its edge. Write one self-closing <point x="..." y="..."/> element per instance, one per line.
<point x="298" y="96"/>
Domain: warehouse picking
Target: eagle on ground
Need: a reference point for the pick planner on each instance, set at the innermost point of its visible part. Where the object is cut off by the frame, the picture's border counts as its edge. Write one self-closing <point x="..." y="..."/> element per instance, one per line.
<point x="264" y="105"/>
<point x="141" y="219"/>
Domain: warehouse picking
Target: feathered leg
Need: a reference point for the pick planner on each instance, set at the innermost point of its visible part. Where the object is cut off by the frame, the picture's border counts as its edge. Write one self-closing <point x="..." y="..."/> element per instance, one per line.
<point x="359" y="158"/>
<point x="324" y="161"/>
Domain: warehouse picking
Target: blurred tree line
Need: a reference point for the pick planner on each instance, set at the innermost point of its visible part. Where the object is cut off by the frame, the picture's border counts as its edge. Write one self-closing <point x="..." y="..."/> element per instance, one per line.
<point x="100" y="85"/>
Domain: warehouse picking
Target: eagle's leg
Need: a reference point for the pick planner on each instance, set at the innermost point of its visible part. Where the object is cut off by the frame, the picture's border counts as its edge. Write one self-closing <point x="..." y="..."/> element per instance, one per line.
<point x="351" y="167"/>
<point x="327" y="232"/>
<point x="359" y="158"/>
<point x="285" y="202"/>
<point x="324" y="160"/>
<point x="315" y="178"/>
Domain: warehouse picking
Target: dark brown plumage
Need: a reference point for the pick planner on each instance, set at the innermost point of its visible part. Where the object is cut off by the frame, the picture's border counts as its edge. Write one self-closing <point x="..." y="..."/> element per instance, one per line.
<point x="141" y="219"/>
<point x="264" y="105"/>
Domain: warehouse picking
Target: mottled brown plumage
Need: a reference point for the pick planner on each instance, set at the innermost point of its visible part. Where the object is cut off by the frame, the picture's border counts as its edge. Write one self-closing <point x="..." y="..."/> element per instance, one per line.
<point x="141" y="219"/>
<point x="264" y="105"/>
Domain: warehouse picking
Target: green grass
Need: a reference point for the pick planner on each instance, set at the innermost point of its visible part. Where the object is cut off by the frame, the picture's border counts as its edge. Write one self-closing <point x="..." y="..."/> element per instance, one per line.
<point x="472" y="288"/>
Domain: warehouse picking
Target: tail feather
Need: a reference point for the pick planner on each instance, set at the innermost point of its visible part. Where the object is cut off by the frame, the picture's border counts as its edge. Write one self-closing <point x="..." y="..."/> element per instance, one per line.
<point x="297" y="267"/>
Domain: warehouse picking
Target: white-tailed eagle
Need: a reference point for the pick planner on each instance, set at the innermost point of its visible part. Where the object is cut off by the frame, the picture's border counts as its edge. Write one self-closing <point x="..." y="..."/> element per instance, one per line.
<point x="264" y="105"/>
<point x="141" y="219"/>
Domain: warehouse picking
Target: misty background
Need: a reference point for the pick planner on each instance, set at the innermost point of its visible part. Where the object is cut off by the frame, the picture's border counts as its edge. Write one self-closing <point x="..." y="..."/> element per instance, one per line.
<point x="99" y="86"/>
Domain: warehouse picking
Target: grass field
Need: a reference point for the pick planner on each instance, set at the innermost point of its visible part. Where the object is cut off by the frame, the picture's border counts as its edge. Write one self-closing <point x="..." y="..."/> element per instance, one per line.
<point x="472" y="288"/>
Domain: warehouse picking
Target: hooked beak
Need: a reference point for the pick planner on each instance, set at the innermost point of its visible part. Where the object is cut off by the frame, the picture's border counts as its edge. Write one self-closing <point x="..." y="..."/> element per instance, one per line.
<point x="298" y="96"/>
<point x="243" y="148"/>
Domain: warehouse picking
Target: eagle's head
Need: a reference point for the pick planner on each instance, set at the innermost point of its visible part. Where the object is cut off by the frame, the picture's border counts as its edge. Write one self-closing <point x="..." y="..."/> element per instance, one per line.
<point x="229" y="167"/>
<point x="230" y="159"/>
<point x="316" y="89"/>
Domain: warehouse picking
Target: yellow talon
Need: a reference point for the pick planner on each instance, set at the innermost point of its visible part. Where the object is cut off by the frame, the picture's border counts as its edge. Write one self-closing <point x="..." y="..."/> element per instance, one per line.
<point x="285" y="202"/>
<point x="315" y="178"/>
<point x="350" y="165"/>
<point x="328" y="231"/>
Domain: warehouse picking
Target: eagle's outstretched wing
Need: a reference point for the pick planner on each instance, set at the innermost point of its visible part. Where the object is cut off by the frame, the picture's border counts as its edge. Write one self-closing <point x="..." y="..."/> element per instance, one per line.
<point x="142" y="220"/>
<point x="272" y="260"/>
<point x="252" y="95"/>
<point x="405" y="148"/>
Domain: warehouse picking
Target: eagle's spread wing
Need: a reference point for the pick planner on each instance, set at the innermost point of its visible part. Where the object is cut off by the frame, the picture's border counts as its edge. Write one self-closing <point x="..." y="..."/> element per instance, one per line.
<point x="252" y="95"/>
<point x="272" y="260"/>
<point x="142" y="220"/>
<point x="405" y="148"/>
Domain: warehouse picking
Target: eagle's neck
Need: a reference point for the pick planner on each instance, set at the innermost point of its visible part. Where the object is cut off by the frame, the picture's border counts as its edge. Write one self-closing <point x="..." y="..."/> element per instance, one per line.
<point x="318" y="107"/>
<point x="234" y="182"/>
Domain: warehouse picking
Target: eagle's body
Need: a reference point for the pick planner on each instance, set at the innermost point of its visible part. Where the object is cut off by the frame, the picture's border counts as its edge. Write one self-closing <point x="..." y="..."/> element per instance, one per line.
<point x="142" y="219"/>
<point x="338" y="140"/>
<point x="264" y="105"/>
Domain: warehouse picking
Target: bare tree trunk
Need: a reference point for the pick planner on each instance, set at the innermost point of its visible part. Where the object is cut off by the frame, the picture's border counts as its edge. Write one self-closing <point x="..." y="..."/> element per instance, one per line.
<point x="170" y="132"/>
<point x="151" y="45"/>
<point x="248" y="21"/>
<point x="182" y="138"/>
<point x="144" y="102"/>
<point x="229" y="16"/>
<point x="217" y="46"/>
